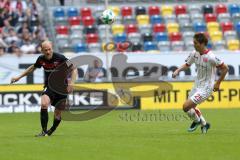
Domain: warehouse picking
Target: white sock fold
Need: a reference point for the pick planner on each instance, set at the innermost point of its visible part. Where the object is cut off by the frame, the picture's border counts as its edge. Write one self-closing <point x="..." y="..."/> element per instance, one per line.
<point x="203" y="121"/>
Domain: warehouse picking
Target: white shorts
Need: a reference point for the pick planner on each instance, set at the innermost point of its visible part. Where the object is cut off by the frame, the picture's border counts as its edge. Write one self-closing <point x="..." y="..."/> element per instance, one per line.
<point x="198" y="95"/>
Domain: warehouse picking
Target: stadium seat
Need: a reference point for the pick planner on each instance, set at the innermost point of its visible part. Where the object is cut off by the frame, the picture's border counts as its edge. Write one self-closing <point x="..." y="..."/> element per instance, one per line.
<point x="142" y="19"/>
<point x="189" y="46"/>
<point x="194" y="9"/>
<point x="170" y="19"/>
<point x="180" y="9"/>
<point x="140" y="10"/>
<point x="145" y="29"/>
<point x="221" y="8"/>
<point x="197" y="18"/>
<point x="188" y="36"/>
<point x="134" y="37"/>
<point x="161" y="36"/>
<point x="233" y="45"/>
<point x="236" y="18"/>
<point x="86" y="12"/>
<point x="209" y="45"/>
<point x="230" y="35"/>
<point x="129" y="20"/>
<point x="167" y="10"/>
<point x="72" y="12"/>
<point x="177" y="46"/>
<point x="206" y="9"/>
<point x="216" y="36"/>
<point x="117" y="29"/>
<point x="120" y="38"/>
<point x="77" y="30"/>
<point x="175" y="36"/>
<point x="92" y="38"/>
<point x="137" y="47"/>
<point x="224" y="17"/>
<point x="61" y="21"/>
<point x="153" y="10"/>
<point x="62" y="40"/>
<point x="74" y="21"/>
<point x="219" y="45"/>
<point x="227" y="26"/>
<point x="62" y="30"/>
<point x="90" y="29"/>
<point x="126" y="11"/>
<point x="147" y="37"/>
<point x="81" y="47"/>
<point x="88" y="21"/>
<point x="186" y="27"/>
<point x="76" y="39"/>
<point x="213" y="26"/>
<point x="115" y="9"/>
<point x="237" y="27"/>
<point x="199" y="27"/>
<point x="58" y="12"/>
<point x="210" y="17"/>
<point x="159" y="28"/>
<point x="156" y="19"/>
<point x="118" y="20"/>
<point x="131" y="28"/>
<point x="98" y="11"/>
<point x="164" y="46"/>
<point x="102" y="30"/>
<point x="94" y="47"/>
<point x="172" y="27"/>
<point x="233" y="8"/>
<point x="183" y="18"/>
<point x="150" y="46"/>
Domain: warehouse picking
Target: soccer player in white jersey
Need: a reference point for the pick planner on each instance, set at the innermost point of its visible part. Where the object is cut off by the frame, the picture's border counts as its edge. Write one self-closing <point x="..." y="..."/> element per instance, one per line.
<point x="206" y="63"/>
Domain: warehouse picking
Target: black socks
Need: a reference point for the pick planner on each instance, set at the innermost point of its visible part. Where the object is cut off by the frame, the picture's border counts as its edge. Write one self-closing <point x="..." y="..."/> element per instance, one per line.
<point x="44" y="119"/>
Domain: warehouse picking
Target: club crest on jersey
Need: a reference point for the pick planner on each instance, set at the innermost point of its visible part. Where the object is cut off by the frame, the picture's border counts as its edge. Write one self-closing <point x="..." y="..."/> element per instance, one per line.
<point x="205" y="59"/>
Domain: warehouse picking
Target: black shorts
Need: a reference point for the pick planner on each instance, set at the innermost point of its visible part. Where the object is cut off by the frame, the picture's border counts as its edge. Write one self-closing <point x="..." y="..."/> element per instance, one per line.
<point x="54" y="97"/>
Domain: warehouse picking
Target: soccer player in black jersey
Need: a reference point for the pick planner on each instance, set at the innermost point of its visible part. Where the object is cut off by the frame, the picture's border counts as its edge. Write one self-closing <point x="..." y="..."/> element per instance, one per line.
<point x="49" y="61"/>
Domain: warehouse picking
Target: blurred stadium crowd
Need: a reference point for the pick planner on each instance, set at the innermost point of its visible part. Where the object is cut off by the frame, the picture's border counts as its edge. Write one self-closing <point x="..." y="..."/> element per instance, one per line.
<point x="21" y="27"/>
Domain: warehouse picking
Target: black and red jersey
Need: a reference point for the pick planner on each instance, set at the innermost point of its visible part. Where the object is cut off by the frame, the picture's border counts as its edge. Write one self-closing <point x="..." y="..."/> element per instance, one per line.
<point x="49" y="66"/>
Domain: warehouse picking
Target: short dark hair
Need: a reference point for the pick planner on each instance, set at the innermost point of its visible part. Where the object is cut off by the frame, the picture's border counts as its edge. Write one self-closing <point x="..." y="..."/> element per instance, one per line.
<point x="201" y="38"/>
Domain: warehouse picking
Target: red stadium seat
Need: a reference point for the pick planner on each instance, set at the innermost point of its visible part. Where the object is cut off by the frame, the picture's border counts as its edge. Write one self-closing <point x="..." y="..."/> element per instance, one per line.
<point x="221" y="8"/>
<point x="227" y="26"/>
<point x="74" y="21"/>
<point x="131" y="28"/>
<point x="180" y="9"/>
<point x="153" y="10"/>
<point x="159" y="28"/>
<point x="126" y="11"/>
<point x="92" y="38"/>
<point x="88" y="21"/>
<point x="175" y="36"/>
<point x="64" y="30"/>
<point x="86" y="12"/>
<point x="210" y="17"/>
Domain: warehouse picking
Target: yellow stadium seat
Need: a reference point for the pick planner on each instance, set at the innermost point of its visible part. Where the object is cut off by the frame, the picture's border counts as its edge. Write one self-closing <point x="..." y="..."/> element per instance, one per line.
<point x="233" y="45"/>
<point x="212" y="26"/>
<point x="167" y="10"/>
<point x="117" y="29"/>
<point x="216" y="36"/>
<point x="143" y="19"/>
<point x="172" y="27"/>
<point x="115" y="9"/>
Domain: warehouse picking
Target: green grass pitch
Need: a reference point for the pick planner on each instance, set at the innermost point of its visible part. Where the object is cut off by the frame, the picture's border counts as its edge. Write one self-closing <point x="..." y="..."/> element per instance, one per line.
<point x="111" y="137"/>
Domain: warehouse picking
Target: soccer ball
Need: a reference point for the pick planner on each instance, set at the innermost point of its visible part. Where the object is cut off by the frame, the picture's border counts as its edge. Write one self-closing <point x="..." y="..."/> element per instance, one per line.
<point x="108" y="16"/>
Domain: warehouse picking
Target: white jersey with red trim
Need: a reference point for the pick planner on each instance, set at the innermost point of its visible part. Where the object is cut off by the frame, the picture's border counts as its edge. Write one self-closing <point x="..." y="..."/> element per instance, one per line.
<point x="206" y="64"/>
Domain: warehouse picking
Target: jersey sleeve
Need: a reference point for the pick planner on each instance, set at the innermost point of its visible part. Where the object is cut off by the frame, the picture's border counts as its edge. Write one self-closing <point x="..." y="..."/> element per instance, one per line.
<point x="63" y="58"/>
<point x="37" y="64"/>
<point x="216" y="61"/>
<point x="190" y="59"/>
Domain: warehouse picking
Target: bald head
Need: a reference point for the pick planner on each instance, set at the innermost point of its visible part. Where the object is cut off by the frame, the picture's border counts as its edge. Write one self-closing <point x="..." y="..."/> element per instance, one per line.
<point x="47" y="49"/>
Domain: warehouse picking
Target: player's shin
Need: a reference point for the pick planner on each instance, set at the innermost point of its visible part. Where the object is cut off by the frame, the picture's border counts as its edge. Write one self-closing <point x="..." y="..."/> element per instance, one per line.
<point x="44" y="119"/>
<point x="193" y="115"/>
<point x="203" y="121"/>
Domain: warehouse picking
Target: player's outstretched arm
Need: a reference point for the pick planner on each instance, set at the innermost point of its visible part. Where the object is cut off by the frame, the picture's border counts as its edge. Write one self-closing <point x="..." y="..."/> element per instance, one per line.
<point x="182" y="68"/>
<point x="25" y="73"/>
<point x="223" y="69"/>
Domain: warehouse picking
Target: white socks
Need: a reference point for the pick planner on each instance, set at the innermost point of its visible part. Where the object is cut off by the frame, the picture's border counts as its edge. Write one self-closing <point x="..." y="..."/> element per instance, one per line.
<point x="203" y="121"/>
<point x="196" y="115"/>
